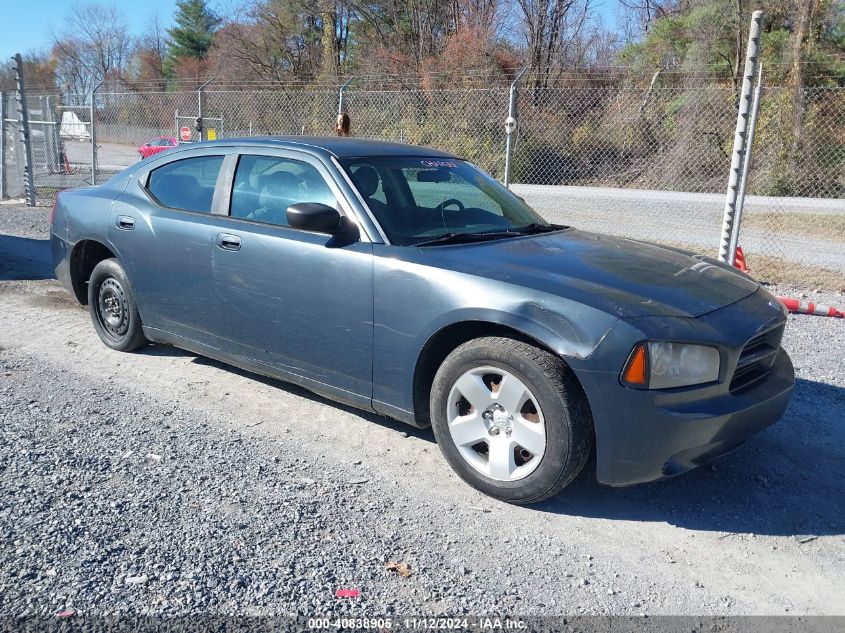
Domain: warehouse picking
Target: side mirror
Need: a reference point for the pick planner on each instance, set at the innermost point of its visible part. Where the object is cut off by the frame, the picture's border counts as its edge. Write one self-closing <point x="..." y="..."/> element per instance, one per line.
<point x="320" y="218"/>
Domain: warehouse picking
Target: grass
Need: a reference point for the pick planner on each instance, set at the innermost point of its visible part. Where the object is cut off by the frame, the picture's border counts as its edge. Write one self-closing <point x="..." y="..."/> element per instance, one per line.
<point x="782" y="272"/>
<point x="822" y="225"/>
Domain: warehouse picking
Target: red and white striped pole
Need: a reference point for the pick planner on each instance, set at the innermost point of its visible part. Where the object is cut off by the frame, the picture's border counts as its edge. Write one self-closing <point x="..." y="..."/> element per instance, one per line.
<point x="808" y="307"/>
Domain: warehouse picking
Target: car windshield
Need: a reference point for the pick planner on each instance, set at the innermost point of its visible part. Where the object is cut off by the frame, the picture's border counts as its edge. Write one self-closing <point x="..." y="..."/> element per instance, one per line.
<point x="419" y="200"/>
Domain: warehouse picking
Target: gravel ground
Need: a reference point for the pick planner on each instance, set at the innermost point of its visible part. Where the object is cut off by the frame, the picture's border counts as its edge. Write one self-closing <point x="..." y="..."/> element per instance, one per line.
<point x="164" y="483"/>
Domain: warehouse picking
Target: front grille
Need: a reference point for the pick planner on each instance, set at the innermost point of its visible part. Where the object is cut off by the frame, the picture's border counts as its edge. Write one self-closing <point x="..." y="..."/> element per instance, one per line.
<point x="756" y="359"/>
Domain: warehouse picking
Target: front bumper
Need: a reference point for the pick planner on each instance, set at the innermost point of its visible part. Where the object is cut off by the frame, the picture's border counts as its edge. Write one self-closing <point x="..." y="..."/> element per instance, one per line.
<point x="645" y="435"/>
<point x="651" y="440"/>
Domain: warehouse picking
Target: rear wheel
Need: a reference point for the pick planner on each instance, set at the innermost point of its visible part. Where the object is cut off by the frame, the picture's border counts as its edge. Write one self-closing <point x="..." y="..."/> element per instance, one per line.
<point x="111" y="304"/>
<point x="510" y="419"/>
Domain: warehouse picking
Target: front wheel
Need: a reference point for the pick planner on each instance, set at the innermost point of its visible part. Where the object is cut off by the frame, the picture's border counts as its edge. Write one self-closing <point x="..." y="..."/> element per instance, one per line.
<point x="510" y="419"/>
<point x="112" y="307"/>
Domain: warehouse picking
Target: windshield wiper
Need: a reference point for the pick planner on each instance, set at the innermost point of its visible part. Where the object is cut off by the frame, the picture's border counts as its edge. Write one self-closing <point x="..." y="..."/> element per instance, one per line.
<point x="533" y="228"/>
<point x="514" y="231"/>
<point x="460" y="238"/>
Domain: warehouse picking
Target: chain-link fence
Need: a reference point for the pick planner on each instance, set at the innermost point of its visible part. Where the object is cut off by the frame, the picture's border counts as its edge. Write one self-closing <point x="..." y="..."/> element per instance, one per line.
<point x="796" y="228"/>
<point x="643" y="161"/>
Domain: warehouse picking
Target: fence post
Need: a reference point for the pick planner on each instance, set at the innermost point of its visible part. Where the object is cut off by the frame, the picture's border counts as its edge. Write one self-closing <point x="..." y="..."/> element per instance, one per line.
<point x="740" y="137"/>
<point x="200" y="98"/>
<point x="746" y="165"/>
<point x="23" y="117"/>
<point x="2" y="145"/>
<point x="49" y="144"/>
<point x="650" y="90"/>
<point x="93" y="113"/>
<point x="510" y="125"/>
<point x="57" y="151"/>
<point x="341" y="95"/>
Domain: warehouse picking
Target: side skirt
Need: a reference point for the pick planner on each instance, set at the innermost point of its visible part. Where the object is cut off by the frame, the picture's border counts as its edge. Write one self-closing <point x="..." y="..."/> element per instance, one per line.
<point x="164" y="337"/>
<point x="396" y="413"/>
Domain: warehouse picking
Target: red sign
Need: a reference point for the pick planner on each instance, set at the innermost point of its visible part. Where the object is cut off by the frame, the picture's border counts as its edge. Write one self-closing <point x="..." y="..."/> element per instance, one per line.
<point x="185" y="134"/>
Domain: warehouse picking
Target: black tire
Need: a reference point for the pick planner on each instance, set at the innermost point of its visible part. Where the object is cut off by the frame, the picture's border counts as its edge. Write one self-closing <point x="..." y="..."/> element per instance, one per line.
<point x="111" y="304"/>
<point x="568" y="422"/>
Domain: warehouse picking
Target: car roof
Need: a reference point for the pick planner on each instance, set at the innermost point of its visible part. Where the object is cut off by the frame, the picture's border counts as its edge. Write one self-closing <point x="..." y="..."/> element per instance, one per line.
<point x="337" y="146"/>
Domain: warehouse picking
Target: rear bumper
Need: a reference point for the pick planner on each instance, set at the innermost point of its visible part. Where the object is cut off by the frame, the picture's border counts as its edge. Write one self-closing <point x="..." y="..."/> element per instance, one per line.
<point x="60" y="250"/>
<point x="653" y="441"/>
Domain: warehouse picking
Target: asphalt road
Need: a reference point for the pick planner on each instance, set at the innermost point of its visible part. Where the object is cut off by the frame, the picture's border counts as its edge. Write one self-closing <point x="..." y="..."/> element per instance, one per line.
<point x="695" y="219"/>
<point x="161" y="482"/>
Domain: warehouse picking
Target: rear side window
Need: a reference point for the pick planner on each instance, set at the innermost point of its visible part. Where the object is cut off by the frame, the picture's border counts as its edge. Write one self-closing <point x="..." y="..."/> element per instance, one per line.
<point x="265" y="186"/>
<point x="186" y="184"/>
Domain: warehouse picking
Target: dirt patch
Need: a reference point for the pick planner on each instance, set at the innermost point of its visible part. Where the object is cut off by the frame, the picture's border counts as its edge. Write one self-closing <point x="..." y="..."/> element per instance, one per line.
<point x="55" y="299"/>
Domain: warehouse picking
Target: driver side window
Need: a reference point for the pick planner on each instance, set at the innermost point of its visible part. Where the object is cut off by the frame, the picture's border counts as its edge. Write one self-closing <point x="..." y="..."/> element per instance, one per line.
<point x="265" y="186"/>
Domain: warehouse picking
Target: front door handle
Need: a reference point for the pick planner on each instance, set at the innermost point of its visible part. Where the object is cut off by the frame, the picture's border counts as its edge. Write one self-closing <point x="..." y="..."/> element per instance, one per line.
<point x="228" y="242"/>
<point x="125" y="222"/>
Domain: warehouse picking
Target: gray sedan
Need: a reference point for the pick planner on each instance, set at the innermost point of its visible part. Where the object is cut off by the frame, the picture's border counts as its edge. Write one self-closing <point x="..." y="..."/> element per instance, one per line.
<point x="405" y="281"/>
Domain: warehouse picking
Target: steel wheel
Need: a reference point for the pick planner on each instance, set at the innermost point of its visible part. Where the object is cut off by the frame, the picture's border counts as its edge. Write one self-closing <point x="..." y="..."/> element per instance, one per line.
<point x="113" y="308"/>
<point x="496" y="423"/>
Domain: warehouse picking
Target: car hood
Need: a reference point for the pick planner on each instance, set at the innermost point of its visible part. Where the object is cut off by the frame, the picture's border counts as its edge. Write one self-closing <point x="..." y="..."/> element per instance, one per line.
<point x="622" y="277"/>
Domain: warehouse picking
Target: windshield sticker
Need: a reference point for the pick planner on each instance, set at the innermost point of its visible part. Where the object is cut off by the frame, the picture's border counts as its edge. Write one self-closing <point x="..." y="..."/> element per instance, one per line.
<point x="438" y="163"/>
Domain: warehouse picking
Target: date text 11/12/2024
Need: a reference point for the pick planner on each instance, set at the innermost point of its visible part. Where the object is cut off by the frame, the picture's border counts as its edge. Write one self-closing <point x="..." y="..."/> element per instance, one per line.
<point x="417" y="623"/>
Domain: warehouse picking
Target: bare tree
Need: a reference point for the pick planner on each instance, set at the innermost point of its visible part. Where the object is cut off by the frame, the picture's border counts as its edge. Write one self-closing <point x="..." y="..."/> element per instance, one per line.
<point x="335" y="17"/>
<point x="270" y="40"/>
<point x="645" y="12"/>
<point x="553" y="31"/>
<point x="95" y="46"/>
<point x="151" y="54"/>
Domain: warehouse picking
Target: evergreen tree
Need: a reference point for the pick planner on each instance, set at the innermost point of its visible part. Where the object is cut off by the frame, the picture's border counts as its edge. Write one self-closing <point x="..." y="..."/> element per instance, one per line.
<point x="194" y="33"/>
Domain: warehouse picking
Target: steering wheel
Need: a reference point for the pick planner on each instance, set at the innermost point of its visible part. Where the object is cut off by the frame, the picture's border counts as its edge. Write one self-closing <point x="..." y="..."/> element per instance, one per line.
<point x="442" y="206"/>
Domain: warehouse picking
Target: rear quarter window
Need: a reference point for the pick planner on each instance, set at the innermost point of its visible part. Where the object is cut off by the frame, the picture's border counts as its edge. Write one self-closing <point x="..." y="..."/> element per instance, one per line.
<point x="186" y="184"/>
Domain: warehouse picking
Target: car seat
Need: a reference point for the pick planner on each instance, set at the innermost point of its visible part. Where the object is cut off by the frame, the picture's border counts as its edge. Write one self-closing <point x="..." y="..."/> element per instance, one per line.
<point x="279" y="190"/>
<point x="366" y="178"/>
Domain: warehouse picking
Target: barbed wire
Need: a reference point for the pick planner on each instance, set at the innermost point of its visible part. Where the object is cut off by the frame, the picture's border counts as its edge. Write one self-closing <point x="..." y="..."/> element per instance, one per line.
<point x="466" y="77"/>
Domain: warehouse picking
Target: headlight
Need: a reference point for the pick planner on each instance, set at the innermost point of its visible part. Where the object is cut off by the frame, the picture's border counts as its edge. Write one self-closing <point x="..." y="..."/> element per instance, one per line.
<point x="660" y="365"/>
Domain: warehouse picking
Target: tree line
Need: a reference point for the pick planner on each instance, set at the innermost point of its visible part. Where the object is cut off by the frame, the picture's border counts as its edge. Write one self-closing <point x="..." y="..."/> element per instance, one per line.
<point x="431" y="43"/>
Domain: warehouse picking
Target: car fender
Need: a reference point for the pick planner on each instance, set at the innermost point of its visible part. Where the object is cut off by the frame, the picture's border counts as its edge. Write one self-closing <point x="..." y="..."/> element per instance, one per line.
<point x="572" y="336"/>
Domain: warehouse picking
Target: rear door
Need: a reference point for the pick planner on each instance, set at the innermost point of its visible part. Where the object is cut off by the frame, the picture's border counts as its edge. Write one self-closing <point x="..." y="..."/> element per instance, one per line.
<point x="163" y="226"/>
<point x="298" y="301"/>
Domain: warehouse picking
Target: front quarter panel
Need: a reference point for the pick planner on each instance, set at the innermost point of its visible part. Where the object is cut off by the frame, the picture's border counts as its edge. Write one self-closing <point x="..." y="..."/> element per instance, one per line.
<point x="414" y="301"/>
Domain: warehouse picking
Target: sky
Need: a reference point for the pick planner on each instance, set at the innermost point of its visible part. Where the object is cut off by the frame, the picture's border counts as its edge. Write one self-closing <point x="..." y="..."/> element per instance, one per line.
<point x="25" y="27"/>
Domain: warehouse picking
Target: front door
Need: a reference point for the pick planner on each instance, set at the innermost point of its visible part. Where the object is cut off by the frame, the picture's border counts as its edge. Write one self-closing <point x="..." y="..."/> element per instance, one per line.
<point x="297" y="301"/>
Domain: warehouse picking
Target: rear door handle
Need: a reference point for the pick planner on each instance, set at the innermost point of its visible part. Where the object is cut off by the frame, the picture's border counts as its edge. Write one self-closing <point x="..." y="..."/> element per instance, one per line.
<point x="228" y="242"/>
<point x="125" y="222"/>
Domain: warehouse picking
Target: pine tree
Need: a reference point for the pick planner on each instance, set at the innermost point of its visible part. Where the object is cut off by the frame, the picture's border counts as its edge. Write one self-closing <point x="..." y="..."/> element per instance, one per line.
<point x="194" y="33"/>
